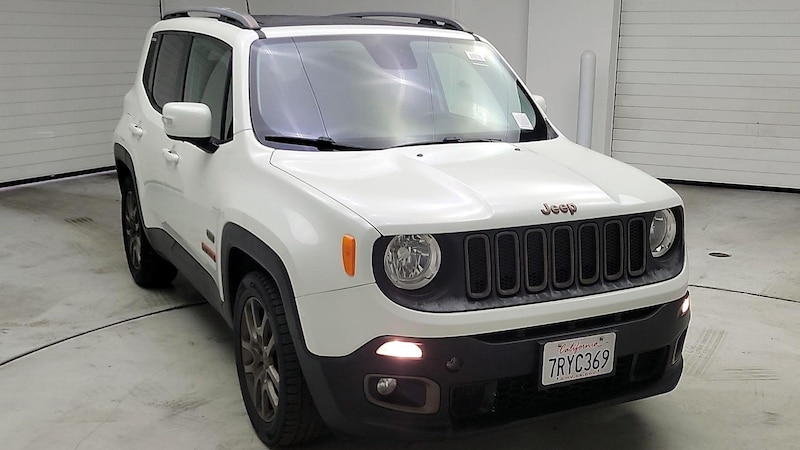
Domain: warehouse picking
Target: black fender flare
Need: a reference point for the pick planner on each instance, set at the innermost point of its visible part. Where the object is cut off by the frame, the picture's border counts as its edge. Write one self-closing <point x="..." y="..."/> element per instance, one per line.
<point x="236" y="237"/>
<point x="123" y="158"/>
<point x="240" y="239"/>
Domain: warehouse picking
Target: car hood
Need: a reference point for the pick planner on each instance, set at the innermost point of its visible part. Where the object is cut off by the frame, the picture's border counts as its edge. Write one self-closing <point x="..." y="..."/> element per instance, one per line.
<point x="471" y="186"/>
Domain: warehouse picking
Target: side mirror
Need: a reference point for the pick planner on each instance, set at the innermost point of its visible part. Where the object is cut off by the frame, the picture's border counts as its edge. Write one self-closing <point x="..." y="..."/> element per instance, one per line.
<point x="191" y="122"/>
<point x="539" y="100"/>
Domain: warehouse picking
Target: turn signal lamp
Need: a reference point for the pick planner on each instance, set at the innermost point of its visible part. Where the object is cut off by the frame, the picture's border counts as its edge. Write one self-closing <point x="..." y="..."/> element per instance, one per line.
<point x="349" y="254"/>
<point x="400" y="349"/>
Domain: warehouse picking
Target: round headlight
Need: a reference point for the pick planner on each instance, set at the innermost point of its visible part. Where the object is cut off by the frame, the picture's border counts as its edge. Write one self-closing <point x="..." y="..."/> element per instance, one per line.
<point x="663" y="230"/>
<point x="412" y="260"/>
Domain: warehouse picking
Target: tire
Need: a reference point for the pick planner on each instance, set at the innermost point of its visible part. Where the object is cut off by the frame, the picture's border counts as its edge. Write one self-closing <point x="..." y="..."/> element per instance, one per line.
<point x="148" y="268"/>
<point x="274" y="392"/>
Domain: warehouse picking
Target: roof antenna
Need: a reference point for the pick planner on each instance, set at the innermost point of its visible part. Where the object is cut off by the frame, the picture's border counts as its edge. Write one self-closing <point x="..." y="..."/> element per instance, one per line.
<point x="247" y="5"/>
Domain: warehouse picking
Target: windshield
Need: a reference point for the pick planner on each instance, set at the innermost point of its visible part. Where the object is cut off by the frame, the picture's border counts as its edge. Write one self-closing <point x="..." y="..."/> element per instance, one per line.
<point x="380" y="91"/>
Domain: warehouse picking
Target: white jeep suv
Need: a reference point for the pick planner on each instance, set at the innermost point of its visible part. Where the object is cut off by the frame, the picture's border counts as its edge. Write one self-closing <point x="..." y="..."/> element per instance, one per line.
<point x="400" y="240"/>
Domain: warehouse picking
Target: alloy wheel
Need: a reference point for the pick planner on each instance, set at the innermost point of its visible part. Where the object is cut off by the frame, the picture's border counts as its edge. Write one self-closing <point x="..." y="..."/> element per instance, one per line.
<point x="133" y="230"/>
<point x="260" y="359"/>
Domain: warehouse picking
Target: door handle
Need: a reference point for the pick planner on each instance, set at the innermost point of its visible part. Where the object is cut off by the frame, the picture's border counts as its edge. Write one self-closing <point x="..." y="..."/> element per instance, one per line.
<point x="136" y="130"/>
<point x="170" y="156"/>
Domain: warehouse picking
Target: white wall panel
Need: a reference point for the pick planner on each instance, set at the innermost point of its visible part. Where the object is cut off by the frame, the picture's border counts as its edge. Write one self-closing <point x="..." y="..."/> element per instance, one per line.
<point x="695" y="6"/>
<point x="29" y="135"/>
<point x="712" y="128"/>
<point x="66" y="163"/>
<point x="705" y="117"/>
<point x="710" y="16"/>
<point x="722" y="106"/>
<point x="61" y="82"/>
<point x="706" y="42"/>
<point x="64" y="67"/>
<point x="708" y="90"/>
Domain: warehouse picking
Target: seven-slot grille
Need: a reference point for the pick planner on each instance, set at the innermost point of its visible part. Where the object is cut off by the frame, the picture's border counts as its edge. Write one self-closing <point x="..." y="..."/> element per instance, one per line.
<point x="532" y="260"/>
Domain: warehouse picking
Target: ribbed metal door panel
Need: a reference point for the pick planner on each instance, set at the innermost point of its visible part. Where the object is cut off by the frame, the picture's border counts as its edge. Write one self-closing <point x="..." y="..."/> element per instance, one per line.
<point x="709" y="90"/>
<point x="64" y="68"/>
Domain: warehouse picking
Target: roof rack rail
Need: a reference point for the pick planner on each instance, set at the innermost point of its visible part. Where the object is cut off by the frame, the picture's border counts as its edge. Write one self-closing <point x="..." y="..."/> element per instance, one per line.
<point x="228" y="15"/>
<point x="424" y="19"/>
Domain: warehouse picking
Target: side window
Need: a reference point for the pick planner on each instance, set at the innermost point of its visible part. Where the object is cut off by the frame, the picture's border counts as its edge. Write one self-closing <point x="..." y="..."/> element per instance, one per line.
<point x="170" y="68"/>
<point x="181" y="67"/>
<point x="208" y="80"/>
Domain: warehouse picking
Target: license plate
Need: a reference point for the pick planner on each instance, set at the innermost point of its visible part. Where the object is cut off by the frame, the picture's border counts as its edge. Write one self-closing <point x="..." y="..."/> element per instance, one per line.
<point x="578" y="359"/>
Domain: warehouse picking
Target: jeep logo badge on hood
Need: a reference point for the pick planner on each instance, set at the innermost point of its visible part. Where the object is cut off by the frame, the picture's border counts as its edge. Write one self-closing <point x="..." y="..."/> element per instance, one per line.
<point x="571" y="208"/>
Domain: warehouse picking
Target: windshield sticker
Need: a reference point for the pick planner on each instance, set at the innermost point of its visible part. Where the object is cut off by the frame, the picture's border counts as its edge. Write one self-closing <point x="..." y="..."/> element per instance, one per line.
<point x="476" y="58"/>
<point x="523" y="122"/>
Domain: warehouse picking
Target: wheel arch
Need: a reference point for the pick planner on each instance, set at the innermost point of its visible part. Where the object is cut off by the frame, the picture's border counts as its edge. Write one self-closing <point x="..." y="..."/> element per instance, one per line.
<point x="243" y="252"/>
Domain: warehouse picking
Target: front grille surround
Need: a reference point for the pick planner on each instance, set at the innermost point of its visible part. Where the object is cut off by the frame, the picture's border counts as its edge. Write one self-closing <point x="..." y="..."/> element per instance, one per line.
<point x="599" y="257"/>
<point x="563" y="256"/>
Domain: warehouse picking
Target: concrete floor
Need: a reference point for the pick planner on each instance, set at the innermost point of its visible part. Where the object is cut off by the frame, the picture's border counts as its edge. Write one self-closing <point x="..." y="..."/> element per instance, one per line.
<point x="88" y="360"/>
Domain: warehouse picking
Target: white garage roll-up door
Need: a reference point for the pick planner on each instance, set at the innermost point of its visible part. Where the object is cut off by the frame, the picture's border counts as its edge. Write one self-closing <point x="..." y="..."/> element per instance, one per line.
<point x="64" y="67"/>
<point x="709" y="90"/>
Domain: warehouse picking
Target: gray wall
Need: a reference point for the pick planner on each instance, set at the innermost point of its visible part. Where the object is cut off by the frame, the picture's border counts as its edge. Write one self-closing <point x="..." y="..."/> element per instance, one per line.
<point x="560" y="31"/>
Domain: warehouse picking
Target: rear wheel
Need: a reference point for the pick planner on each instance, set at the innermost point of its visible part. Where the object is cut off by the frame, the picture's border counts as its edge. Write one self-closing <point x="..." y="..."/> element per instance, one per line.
<point x="275" y="395"/>
<point x="147" y="267"/>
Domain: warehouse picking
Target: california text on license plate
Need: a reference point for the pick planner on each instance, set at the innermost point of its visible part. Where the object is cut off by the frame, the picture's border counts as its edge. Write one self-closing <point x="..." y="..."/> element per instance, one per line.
<point x="577" y="359"/>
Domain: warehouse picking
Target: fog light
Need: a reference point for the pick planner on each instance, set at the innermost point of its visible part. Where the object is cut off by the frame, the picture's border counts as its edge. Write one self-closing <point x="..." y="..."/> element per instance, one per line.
<point x="415" y="395"/>
<point x="686" y="305"/>
<point x="386" y="386"/>
<point x="400" y="349"/>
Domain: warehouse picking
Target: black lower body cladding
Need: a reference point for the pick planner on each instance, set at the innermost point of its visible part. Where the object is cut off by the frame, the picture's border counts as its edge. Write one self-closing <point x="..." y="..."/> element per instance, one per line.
<point x="469" y="384"/>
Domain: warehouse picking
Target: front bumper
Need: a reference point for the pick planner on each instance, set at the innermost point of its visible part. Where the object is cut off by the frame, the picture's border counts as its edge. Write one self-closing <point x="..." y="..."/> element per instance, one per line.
<point x="471" y="383"/>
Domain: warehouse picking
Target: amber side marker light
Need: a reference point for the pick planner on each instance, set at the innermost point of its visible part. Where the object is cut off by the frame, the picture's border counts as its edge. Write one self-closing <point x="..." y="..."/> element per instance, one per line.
<point x="349" y="254"/>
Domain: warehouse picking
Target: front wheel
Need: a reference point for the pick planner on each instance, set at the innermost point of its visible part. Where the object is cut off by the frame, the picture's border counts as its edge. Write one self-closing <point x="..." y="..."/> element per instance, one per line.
<point x="147" y="267"/>
<point x="273" y="389"/>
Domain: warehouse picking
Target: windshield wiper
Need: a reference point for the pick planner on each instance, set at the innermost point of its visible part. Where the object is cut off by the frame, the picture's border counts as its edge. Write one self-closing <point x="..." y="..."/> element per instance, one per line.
<point x="449" y="140"/>
<point x="322" y="143"/>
